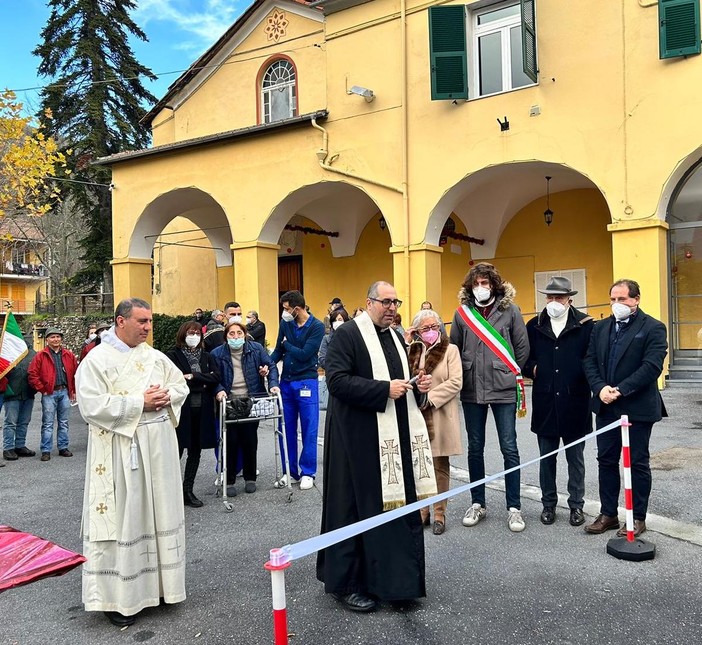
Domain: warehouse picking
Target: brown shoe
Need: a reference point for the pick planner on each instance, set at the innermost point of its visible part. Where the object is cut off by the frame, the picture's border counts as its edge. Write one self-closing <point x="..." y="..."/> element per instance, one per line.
<point x="65" y="453"/>
<point x="603" y="523"/>
<point x="439" y="527"/>
<point x="45" y="456"/>
<point x="639" y="528"/>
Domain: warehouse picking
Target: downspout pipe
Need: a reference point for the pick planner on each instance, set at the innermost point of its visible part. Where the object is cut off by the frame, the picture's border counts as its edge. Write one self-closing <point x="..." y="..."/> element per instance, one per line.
<point x="323" y="154"/>
<point x="405" y="152"/>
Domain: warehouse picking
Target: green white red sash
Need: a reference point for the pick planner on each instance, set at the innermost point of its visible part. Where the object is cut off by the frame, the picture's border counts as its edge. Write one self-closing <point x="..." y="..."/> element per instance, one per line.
<point x="499" y="346"/>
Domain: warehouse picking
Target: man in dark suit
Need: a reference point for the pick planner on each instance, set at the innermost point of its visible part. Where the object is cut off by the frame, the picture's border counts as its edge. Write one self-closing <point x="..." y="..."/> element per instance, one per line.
<point x="623" y="362"/>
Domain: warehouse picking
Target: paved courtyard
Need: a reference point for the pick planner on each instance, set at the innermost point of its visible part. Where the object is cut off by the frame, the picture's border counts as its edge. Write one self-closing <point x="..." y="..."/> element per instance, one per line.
<point x="549" y="584"/>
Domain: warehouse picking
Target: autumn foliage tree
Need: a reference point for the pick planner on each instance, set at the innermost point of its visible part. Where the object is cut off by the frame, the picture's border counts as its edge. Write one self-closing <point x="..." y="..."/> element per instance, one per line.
<point x="28" y="160"/>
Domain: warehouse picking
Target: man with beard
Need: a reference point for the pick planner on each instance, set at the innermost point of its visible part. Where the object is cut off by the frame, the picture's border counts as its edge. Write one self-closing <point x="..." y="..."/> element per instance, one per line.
<point x="376" y="458"/>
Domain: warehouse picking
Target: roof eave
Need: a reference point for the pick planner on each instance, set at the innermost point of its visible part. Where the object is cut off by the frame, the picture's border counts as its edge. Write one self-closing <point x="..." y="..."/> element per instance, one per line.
<point x="263" y="128"/>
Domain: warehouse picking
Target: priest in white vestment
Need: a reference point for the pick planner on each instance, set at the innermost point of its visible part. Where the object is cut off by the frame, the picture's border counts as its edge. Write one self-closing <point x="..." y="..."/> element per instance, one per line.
<point x="133" y="523"/>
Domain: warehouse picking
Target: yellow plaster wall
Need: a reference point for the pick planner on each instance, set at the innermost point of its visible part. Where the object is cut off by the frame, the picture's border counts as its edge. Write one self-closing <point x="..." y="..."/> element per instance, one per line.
<point x="577" y="239"/>
<point x="185" y="271"/>
<point x="454" y="267"/>
<point x="228" y="99"/>
<point x="326" y="277"/>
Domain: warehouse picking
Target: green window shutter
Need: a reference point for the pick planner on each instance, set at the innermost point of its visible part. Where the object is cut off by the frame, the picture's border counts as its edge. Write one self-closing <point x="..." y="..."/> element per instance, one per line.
<point x="447" y="48"/>
<point x="529" y="64"/>
<point x="679" y="24"/>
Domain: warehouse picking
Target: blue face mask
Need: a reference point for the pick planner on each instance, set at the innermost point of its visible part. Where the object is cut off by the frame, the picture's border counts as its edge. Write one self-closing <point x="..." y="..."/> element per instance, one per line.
<point x="235" y="343"/>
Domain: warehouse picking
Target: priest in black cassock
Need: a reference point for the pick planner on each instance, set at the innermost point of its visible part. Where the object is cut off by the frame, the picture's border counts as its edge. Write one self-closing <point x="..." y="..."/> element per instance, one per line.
<point x="376" y="458"/>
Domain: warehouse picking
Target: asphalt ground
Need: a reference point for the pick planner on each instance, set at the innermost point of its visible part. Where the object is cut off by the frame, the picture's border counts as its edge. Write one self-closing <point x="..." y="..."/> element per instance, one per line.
<point x="485" y="585"/>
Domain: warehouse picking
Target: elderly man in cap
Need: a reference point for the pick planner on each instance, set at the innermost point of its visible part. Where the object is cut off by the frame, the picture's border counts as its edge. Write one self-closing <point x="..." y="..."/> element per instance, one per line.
<point x="558" y="341"/>
<point x="53" y="373"/>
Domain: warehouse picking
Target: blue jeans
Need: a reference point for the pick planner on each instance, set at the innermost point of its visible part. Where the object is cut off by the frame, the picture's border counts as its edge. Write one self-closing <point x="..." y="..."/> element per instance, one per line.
<point x="54" y="405"/>
<point x="306" y="408"/>
<point x="506" y="422"/>
<point x="17" y="417"/>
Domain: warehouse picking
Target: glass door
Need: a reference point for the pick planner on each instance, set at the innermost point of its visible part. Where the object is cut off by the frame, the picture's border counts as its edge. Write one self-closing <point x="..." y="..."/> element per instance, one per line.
<point x="686" y="291"/>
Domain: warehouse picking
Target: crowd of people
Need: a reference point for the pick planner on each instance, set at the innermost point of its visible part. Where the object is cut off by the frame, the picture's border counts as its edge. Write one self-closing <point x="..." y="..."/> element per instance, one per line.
<point x="392" y="422"/>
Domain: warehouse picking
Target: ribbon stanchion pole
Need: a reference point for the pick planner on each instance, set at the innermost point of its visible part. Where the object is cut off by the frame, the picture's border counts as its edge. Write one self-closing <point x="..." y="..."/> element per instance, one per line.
<point x="629" y="547"/>
<point x="276" y="565"/>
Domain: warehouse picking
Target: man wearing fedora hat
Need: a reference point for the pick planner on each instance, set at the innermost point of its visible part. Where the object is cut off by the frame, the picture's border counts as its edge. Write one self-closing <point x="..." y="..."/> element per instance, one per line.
<point x="53" y="373"/>
<point x="558" y="341"/>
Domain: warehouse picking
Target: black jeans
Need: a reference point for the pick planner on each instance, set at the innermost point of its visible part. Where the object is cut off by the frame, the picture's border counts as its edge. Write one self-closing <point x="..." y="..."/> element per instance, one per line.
<point x="609" y="448"/>
<point x="547" y="472"/>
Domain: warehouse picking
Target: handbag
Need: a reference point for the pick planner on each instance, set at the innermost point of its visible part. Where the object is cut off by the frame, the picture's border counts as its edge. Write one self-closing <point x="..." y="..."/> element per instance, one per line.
<point x="239" y="408"/>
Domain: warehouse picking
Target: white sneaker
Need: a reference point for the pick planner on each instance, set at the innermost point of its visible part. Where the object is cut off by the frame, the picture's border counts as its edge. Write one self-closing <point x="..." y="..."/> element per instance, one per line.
<point x="283" y="482"/>
<point x="474" y="514"/>
<point x="306" y="482"/>
<point x="515" y="521"/>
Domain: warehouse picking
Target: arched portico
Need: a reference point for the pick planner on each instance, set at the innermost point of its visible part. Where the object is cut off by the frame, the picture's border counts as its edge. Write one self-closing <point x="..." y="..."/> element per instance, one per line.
<point x="683" y="212"/>
<point x="133" y="274"/>
<point x="497" y="214"/>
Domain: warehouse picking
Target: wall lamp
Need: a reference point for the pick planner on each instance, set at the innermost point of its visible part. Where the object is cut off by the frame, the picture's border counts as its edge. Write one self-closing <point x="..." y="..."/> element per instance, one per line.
<point x="361" y="91"/>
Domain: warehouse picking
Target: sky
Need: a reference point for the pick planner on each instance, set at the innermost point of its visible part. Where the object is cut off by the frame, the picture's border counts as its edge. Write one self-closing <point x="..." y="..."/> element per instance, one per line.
<point x="179" y="31"/>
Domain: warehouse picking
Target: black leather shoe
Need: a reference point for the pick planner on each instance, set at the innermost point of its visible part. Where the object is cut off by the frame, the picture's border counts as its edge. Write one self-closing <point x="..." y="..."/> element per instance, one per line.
<point x="548" y="515"/>
<point x="576" y="516"/>
<point x="356" y="601"/>
<point x="25" y="452"/>
<point x="118" y="619"/>
<point x="189" y="499"/>
<point x="65" y="452"/>
<point x="9" y="455"/>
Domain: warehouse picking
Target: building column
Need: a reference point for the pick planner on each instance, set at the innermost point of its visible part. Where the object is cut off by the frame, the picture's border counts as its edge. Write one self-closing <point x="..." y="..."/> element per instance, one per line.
<point x="424" y="277"/>
<point x="256" y="281"/>
<point x="132" y="279"/>
<point x="225" y="285"/>
<point x="640" y="252"/>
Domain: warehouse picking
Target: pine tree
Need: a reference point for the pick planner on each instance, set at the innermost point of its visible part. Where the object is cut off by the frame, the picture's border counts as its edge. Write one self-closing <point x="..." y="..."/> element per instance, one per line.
<point x="96" y="98"/>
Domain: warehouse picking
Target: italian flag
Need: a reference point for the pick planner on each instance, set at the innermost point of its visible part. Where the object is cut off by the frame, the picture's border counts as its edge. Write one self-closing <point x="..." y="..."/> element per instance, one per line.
<point x="12" y="346"/>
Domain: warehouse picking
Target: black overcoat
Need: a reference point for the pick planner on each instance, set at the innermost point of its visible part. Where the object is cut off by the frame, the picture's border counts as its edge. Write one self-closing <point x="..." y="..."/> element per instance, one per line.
<point x="560" y="395"/>
<point x="205" y="383"/>
<point x="639" y="364"/>
<point x="388" y="561"/>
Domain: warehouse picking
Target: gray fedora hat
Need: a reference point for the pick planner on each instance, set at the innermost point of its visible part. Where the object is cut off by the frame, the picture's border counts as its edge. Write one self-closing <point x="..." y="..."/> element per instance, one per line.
<point x="50" y="331"/>
<point x="558" y="286"/>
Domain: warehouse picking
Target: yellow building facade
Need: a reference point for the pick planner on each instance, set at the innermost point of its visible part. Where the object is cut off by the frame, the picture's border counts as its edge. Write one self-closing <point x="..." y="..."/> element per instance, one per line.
<point x="326" y="145"/>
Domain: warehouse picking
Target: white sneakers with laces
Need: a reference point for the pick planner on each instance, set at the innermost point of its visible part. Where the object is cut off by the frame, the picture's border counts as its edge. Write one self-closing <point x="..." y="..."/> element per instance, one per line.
<point x="474" y="514"/>
<point x="306" y="482"/>
<point x="515" y="521"/>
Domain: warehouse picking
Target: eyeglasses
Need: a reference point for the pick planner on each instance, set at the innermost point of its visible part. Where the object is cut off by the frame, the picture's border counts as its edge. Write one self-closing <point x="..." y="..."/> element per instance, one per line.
<point x="432" y="328"/>
<point x="386" y="302"/>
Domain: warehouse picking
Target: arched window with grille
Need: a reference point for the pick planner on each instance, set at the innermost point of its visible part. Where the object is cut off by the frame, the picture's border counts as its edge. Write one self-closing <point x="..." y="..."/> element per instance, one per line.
<point x="278" y="91"/>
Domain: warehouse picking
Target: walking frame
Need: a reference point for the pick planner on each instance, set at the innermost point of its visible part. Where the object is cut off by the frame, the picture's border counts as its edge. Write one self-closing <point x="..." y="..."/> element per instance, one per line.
<point x="265" y="408"/>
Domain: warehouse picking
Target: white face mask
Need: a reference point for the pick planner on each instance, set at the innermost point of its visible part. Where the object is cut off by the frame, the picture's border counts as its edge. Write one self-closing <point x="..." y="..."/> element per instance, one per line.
<point x="287" y="316"/>
<point x="249" y="321"/>
<point x="92" y="336"/>
<point x="555" y="309"/>
<point x="337" y="323"/>
<point x="481" y="294"/>
<point x="236" y="318"/>
<point x="192" y="341"/>
<point x="621" y="311"/>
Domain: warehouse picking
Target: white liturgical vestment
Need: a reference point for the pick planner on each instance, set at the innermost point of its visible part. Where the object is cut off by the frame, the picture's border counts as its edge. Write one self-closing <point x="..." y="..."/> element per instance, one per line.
<point x="133" y="522"/>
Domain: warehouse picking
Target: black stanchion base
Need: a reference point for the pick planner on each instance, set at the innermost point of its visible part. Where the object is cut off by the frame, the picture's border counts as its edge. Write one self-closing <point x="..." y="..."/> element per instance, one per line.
<point x="636" y="551"/>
